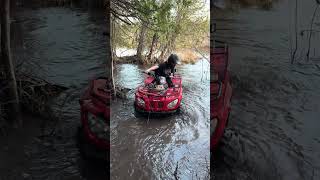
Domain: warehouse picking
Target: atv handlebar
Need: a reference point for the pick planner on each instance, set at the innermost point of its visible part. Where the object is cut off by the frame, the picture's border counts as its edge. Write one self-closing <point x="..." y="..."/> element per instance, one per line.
<point x="148" y="73"/>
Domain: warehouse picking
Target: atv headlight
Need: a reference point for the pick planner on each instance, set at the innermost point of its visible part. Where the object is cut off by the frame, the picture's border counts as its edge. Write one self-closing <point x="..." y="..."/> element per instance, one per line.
<point x="98" y="126"/>
<point x="172" y="104"/>
<point x="213" y="125"/>
<point x="140" y="102"/>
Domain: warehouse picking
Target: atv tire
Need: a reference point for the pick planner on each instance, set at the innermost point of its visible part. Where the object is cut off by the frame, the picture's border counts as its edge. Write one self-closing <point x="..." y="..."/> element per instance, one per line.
<point x="137" y="114"/>
<point x="80" y="143"/>
<point x="178" y="110"/>
<point x="231" y="150"/>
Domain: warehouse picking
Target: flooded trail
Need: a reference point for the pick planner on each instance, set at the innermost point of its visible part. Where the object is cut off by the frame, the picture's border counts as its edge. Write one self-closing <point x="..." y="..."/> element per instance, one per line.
<point x="275" y="105"/>
<point x="64" y="46"/>
<point x="156" y="148"/>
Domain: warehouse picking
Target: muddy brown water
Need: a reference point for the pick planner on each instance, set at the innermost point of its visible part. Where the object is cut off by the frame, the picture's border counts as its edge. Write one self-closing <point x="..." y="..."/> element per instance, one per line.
<point x="157" y="147"/>
<point x="275" y="105"/>
<point x="65" y="46"/>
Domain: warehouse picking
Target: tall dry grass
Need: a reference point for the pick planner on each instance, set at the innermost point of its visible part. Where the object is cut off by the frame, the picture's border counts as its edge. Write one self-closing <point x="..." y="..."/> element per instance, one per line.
<point x="188" y="56"/>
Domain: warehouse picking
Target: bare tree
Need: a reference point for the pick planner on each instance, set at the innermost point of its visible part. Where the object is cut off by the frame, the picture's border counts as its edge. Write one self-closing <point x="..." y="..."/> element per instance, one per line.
<point x="109" y="67"/>
<point x="153" y="47"/>
<point x="141" y="44"/>
<point x="8" y="68"/>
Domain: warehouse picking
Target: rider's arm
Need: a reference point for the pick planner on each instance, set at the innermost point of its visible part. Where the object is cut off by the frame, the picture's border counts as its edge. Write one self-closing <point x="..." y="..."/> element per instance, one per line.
<point x="152" y="68"/>
<point x="172" y="71"/>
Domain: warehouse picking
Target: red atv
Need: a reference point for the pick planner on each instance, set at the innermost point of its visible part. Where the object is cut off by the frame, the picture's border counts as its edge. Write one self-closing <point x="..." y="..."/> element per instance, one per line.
<point x="149" y="99"/>
<point x="93" y="134"/>
<point x="221" y="92"/>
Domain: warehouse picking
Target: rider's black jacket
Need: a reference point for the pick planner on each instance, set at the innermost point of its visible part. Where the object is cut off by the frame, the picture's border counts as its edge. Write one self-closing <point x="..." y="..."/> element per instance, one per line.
<point x="164" y="70"/>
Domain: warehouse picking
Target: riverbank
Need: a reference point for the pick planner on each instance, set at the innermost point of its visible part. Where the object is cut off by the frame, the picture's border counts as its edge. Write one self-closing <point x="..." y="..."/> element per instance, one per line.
<point x="186" y="55"/>
<point x="191" y="56"/>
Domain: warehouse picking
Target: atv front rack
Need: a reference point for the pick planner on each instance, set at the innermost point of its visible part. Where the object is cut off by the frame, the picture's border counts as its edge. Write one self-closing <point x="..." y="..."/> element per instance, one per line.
<point x="220" y="59"/>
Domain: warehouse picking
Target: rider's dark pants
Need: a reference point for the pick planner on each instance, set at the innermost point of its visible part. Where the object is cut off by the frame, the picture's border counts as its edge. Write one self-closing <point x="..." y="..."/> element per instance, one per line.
<point x="168" y="79"/>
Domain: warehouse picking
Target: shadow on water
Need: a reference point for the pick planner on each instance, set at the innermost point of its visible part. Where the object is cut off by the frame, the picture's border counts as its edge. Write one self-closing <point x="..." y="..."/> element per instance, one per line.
<point x="65" y="46"/>
<point x="275" y="105"/>
<point x="156" y="148"/>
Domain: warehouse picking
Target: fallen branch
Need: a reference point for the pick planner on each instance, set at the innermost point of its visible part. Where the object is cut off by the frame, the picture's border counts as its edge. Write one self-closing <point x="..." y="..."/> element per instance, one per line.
<point x="35" y="93"/>
<point x="176" y="172"/>
<point x="296" y="33"/>
<point x="311" y="27"/>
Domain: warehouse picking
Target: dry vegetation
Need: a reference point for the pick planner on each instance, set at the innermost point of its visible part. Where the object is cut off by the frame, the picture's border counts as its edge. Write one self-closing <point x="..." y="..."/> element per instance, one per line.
<point x="188" y="56"/>
<point x="34" y="93"/>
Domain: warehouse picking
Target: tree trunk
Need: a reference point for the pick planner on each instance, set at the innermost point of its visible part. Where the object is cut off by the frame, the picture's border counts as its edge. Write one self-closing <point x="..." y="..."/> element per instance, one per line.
<point x="172" y="43"/>
<point x="109" y="64"/>
<point x="163" y="52"/>
<point x="141" y="44"/>
<point x="174" y="34"/>
<point x="169" y="47"/>
<point x="12" y="91"/>
<point x="113" y="35"/>
<point x="153" y="46"/>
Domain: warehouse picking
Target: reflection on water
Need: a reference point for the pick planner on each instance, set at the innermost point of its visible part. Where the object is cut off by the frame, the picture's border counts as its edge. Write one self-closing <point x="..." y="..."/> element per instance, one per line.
<point x="275" y="105"/>
<point x="234" y="4"/>
<point x="64" y="46"/>
<point x="153" y="148"/>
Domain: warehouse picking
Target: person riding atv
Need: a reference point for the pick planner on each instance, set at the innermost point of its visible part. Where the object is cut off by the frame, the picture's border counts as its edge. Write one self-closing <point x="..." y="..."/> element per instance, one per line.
<point x="161" y="92"/>
<point x="166" y="70"/>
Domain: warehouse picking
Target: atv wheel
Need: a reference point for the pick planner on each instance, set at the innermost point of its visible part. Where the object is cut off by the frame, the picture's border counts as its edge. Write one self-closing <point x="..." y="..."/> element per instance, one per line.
<point x="231" y="150"/>
<point x="179" y="110"/>
<point x="137" y="114"/>
<point x="80" y="143"/>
